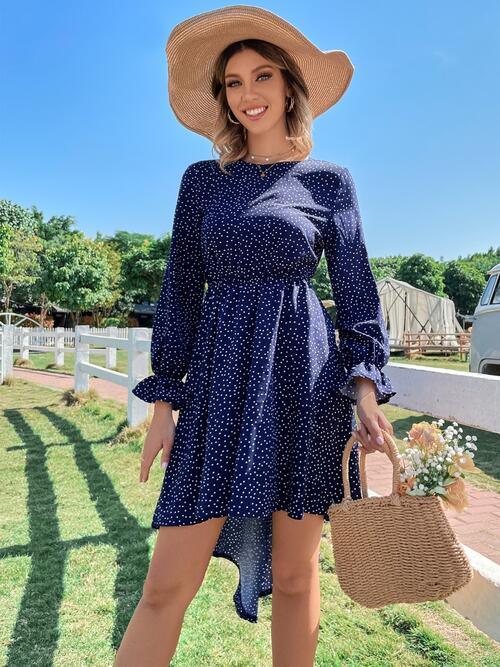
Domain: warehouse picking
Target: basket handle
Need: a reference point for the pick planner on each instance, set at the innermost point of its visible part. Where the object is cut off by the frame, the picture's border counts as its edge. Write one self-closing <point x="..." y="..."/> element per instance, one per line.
<point x="389" y="448"/>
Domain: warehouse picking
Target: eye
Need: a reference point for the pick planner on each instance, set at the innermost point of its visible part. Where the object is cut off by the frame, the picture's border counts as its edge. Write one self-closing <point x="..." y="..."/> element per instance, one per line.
<point x="266" y="74"/>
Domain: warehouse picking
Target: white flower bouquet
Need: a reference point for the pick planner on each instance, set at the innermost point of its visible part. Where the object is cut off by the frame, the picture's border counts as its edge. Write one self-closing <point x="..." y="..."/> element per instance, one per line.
<point x="435" y="460"/>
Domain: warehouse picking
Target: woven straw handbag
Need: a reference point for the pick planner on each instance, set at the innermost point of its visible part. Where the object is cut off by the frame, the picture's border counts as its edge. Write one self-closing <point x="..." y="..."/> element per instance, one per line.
<point x="394" y="548"/>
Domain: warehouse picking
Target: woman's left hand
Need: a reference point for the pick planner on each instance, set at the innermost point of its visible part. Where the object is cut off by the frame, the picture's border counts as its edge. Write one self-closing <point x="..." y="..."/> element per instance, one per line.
<point x="371" y="421"/>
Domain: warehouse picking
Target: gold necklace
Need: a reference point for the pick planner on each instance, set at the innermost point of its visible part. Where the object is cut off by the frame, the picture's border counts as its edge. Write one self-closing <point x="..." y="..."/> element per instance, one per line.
<point x="272" y="157"/>
<point x="263" y="172"/>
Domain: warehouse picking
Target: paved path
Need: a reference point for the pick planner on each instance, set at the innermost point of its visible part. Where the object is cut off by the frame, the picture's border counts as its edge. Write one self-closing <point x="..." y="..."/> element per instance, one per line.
<point x="478" y="526"/>
<point x="62" y="381"/>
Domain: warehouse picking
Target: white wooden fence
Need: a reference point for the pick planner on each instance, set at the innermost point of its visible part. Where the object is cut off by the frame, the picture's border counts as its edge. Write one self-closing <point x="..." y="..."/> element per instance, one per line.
<point x="136" y="341"/>
<point x="137" y="344"/>
<point x="2" y="355"/>
<point x="6" y="351"/>
<point x="60" y="340"/>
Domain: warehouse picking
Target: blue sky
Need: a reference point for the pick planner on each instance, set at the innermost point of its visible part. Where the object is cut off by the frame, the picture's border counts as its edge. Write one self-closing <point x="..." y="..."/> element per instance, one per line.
<point x="86" y="128"/>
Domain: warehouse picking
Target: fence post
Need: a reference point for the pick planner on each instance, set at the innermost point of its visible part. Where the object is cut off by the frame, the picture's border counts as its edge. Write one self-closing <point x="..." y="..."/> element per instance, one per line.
<point x="137" y="410"/>
<point x="8" y="350"/>
<point x="111" y="351"/>
<point x="2" y="353"/>
<point x="81" y="356"/>
<point x="24" y="343"/>
<point x="59" y="346"/>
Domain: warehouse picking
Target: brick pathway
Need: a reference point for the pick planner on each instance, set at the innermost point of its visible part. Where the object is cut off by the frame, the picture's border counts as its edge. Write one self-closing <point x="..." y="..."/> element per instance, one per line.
<point x="478" y="526"/>
<point x="61" y="381"/>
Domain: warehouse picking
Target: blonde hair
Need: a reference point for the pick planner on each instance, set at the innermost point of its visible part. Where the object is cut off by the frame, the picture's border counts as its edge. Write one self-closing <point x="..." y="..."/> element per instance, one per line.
<point x="229" y="139"/>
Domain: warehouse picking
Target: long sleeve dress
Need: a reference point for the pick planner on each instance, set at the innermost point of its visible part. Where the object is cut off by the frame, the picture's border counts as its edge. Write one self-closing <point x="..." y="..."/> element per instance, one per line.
<point x="267" y="403"/>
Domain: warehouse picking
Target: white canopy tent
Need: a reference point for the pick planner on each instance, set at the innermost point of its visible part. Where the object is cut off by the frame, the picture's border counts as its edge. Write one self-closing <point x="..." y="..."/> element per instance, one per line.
<point x="410" y="309"/>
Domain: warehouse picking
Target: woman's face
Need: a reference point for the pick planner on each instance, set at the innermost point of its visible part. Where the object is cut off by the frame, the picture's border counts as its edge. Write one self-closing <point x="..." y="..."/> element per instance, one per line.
<point x="252" y="82"/>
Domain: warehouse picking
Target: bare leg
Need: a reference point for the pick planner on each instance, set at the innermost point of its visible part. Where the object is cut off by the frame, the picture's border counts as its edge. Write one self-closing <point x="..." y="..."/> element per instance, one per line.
<point x="296" y="594"/>
<point x="178" y="566"/>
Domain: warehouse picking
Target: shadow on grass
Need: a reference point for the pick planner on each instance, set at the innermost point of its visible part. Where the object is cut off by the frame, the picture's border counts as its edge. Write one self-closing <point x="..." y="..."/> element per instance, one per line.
<point x="36" y="631"/>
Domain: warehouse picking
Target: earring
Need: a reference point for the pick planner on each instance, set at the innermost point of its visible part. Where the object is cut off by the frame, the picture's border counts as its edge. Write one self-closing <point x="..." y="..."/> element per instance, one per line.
<point x="236" y="122"/>
<point x="289" y="107"/>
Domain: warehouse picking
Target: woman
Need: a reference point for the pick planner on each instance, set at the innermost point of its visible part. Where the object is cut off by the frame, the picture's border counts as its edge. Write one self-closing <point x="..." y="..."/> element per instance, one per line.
<point x="267" y="405"/>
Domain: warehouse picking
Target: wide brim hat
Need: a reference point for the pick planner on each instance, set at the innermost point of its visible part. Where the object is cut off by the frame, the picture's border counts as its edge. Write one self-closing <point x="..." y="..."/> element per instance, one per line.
<point x="194" y="45"/>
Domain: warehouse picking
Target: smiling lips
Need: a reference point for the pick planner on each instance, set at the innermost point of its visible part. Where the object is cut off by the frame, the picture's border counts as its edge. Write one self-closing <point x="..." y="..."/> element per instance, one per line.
<point x="256" y="112"/>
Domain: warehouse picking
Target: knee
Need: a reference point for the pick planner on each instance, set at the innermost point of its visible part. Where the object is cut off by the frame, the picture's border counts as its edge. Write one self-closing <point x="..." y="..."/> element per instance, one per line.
<point x="159" y="595"/>
<point x="293" y="579"/>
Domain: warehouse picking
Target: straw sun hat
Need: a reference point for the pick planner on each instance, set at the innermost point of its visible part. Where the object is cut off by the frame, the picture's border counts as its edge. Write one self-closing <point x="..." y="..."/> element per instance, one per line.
<point x="194" y="45"/>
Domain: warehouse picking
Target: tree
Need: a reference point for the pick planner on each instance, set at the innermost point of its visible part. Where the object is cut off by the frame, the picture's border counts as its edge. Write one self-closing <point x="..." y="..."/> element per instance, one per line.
<point x="484" y="261"/>
<point x="423" y="272"/>
<point x="53" y="232"/>
<point x="386" y="267"/>
<point x="79" y="275"/>
<point x="114" y="260"/>
<point x="321" y="281"/>
<point x="17" y="217"/>
<point x="19" y="248"/>
<point x="464" y="284"/>
<point x="142" y="271"/>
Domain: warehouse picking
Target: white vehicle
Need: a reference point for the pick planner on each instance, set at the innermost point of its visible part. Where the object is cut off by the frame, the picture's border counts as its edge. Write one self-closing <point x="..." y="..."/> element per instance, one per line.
<point x="485" y="336"/>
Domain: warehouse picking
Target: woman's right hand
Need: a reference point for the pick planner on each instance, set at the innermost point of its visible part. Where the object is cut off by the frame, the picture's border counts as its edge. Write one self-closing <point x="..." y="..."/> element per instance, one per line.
<point x="160" y="437"/>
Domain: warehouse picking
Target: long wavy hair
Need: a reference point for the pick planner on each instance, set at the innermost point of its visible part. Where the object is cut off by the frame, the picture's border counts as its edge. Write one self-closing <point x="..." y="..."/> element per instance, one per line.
<point x="230" y="139"/>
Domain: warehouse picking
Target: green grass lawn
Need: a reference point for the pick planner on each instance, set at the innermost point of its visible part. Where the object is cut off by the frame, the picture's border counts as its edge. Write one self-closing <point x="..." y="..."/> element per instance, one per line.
<point x="452" y="361"/>
<point x="75" y="543"/>
<point x="44" y="361"/>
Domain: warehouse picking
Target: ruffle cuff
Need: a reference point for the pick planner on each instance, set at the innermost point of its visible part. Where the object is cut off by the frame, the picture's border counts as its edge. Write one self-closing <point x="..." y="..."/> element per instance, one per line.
<point x="383" y="388"/>
<point x="158" y="388"/>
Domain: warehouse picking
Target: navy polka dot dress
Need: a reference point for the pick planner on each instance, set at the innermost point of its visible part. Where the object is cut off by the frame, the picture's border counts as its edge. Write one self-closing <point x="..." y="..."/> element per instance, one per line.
<point x="267" y="403"/>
